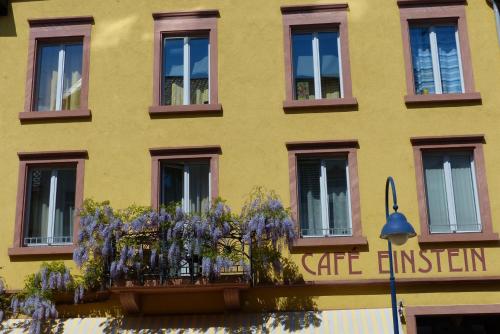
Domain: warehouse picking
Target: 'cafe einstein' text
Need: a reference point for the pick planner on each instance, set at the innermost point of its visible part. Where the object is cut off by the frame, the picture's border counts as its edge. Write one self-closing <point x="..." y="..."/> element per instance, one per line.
<point x="423" y="261"/>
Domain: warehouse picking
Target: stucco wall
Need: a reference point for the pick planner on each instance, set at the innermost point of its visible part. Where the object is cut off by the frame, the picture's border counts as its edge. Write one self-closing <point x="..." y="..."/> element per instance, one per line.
<point x="253" y="128"/>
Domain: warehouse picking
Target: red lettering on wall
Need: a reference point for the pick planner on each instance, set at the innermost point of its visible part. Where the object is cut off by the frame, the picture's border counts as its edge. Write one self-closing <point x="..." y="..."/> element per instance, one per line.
<point x="336" y="258"/>
<point x="452" y="252"/>
<point x="351" y="257"/>
<point x="410" y="258"/>
<point x="382" y="255"/>
<point x="438" y="257"/>
<point x="326" y="266"/>
<point x="426" y="259"/>
<point x="481" y="258"/>
<point x="395" y="261"/>
<point x="306" y="267"/>
<point x="466" y="260"/>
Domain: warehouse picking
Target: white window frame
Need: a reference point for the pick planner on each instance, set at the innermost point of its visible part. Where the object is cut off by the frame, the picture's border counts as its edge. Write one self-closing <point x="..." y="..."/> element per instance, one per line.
<point x="496" y="9"/>
<point x="51" y="215"/>
<point x="323" y="186"/>
<point x="436" y="69"/>
<point x="317" y="64"/>
<point x="450" y="197"/>
<point x="186" y="66"/>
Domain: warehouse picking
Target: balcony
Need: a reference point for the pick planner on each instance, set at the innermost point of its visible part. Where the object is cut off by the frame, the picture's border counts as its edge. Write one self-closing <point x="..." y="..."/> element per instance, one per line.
<point x="147" y="257"/>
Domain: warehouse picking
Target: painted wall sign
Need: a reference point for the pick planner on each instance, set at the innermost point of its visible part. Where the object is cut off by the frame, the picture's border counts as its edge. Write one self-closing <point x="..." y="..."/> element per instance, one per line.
<point x="405" y="261"/>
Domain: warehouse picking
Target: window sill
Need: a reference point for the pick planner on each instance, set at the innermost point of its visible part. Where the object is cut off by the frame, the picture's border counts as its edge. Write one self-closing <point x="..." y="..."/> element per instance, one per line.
<point x="299" y="104"/>
<point x="312" y="242"/>
<point x="186" y="109"/>
<point x="64" y="114"/>
<point x="458" y="237"/>
<point x="440" y="98"/>
<point x="40" y="251"/>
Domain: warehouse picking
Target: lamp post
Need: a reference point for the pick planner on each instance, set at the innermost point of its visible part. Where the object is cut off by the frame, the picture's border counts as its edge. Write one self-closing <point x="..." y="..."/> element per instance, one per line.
<point x="396" y="230"/>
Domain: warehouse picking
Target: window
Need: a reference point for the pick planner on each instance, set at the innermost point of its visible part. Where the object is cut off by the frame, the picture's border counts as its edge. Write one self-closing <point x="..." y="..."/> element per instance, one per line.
<point x="316" y="65"/>
<point x="186" y="176"/>
<point x="437" y="68"/>
<point x="50" y="206"/>
<point x="450" y="186"/>
<point x="58" y="76"/>
<point x="436" y="51"/>
<point x="452" y="189"/>
<point x="50" y="192"/>
<point x="324" y="204"/>
<point x="58" y="68"/>
<point x="317" y="68"/>
<point x="324" y="193"/>
<point x="185" y="65"/>
<point x="483" y="319"/>
<point x="186" y="183"/>
<point x="185" y="68"/>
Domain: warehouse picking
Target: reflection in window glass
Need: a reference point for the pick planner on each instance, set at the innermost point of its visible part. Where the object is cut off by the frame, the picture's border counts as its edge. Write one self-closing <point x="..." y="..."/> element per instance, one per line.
<point x="58" y="77"/>
<point x="186" y="184"/>
<point x="316" y="65"/>
<point x="50" y="206"/>
<point x="437" y="67"/>
<point x="185" y="71"/>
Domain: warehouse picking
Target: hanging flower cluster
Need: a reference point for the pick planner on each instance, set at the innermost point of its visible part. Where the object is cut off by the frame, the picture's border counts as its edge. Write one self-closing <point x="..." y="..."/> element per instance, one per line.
<point x="140" y="242"/>
<point x="36" y="300"/>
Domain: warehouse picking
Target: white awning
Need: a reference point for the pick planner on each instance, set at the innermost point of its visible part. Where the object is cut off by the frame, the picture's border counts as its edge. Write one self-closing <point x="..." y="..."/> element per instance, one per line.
<point x="364" y="321"/>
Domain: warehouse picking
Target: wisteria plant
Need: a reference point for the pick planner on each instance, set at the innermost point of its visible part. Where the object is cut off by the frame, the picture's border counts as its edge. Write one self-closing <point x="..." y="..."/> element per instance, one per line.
<point x="37" y="299"/>
<point x="141" y="243"/>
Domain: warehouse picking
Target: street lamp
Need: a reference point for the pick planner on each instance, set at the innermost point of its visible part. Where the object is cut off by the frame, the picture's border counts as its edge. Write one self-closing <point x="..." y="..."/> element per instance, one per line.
<point x="396" y="230"/>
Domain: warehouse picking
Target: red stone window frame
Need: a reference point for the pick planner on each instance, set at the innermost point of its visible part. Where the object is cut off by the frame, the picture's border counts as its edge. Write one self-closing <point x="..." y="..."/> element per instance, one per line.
<point x="473" y="143"/>
<point x="415" y="311"/>
<point x="27" y="160"/>
<point x="57" y="29"/>
<point x="183" y="154"/>
<point x="345" y="148"/>
<point x="310" y="17"/>
<point x="185" y="24"/>
<point x="438" y="11"/>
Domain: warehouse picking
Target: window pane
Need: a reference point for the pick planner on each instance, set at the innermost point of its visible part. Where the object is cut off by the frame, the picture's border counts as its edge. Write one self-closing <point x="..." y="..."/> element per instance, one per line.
<point x="448" y="59"/>
<point x="172" y="183"/>
<point x="46" y="77"/>
<point x="463" y="191"/>
<point x="303" y="68"/>
<point x="309" y="171"/>
<point x="199" y="70"/>
<point x="37" y="205"/>
<point x="65" y="205"/>
<point x="338" y="201"/>
<point x="422" y="60"/>
<point x="173" y="71"/>
<point x="199" y="187"/>
<point x="437" y="205"/>
<point x="72" y="84"/>
<point x="329" y="60"/>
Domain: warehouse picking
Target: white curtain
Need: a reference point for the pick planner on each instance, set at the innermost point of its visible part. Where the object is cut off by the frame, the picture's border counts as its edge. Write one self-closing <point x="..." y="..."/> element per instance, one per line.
<point x="38" y="206"/>
<point x="422" y="60"/>
<point x="65" y="205"/>
<point x="463" y="191"/>
<point x="309" y="172"/>
<point x="437" y="204"/>
<point x="199" y="197"/>
<point x="338" y="203"/>
<point x="449" y="65"/>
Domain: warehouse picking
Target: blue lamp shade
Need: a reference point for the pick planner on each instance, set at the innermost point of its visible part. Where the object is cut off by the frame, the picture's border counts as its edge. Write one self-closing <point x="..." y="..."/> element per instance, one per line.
<point x="397" y="229"/>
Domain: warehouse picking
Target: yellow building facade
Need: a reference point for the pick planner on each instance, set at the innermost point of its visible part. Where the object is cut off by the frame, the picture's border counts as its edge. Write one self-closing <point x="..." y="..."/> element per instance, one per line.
<point x="259" y="124"/>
